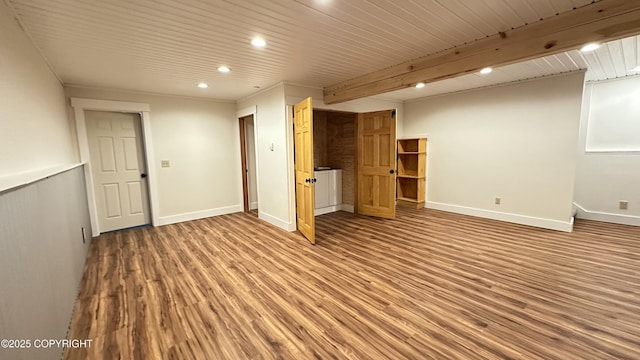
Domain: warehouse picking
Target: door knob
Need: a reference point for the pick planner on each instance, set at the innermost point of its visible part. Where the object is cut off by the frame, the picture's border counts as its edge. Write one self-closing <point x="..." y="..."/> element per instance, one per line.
<point x="307" y="180"/>
<point x="391" y="171"/>
<point x="143" y="175"/>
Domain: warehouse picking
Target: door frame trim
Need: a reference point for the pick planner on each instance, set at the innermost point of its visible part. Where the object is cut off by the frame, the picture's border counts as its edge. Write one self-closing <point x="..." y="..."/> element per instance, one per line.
<point x="291" y="170"/>
<point x="80" y="105"/>
<point x="244" y="164"/>
<point x="242" y="113"/>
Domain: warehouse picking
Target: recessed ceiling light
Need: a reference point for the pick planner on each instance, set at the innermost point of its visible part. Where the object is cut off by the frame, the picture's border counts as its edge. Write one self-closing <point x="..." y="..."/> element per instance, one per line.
<point x="635" y="69"/>
<point x="203" y="85"/>
<point x="590" y="47"/>
<point x="224" y="69"/>
<point x="486" y="70"/>
<point x="419" y="85"/>
<point x="258" y="42"/>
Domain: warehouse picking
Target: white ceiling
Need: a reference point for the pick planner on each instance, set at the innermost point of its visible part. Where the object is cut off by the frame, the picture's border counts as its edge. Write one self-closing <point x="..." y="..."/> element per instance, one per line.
<point x="165" y="46"/>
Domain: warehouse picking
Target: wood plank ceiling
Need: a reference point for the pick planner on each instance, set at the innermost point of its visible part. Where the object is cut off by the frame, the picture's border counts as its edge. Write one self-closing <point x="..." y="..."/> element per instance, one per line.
<point x="168" y="47"/>
<point x="612" y="60"/>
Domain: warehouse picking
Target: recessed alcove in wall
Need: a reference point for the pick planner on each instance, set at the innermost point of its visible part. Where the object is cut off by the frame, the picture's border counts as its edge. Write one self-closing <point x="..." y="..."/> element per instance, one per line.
<point x="334" y="146"/>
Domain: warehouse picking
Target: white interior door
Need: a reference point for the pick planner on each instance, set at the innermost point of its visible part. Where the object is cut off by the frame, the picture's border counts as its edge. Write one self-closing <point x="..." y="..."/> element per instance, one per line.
<point x="118" y="168"/>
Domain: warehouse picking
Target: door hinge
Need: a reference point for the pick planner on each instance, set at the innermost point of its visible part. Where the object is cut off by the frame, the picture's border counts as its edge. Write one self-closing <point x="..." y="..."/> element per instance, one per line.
<point x="393" y="113"/>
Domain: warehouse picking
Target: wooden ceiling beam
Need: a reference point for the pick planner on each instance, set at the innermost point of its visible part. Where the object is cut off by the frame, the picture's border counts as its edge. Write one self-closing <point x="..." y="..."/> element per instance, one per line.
<point x="603" y="21"/>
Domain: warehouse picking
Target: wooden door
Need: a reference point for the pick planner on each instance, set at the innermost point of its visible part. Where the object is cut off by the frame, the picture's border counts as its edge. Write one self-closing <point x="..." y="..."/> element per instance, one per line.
<point x="118" y="169"/>
<point x="377" y="164"/>
<point x="303" y="144"/>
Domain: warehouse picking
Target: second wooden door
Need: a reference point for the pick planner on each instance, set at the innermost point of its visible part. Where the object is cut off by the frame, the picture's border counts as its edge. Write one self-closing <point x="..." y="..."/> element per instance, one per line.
<point x="377" y="164"/>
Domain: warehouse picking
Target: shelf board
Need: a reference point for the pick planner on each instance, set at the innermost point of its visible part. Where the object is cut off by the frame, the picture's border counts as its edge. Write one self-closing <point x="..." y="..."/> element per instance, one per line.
<point x="406" y="176"/>
<point x="409" y="199"/>
<point x="411" y="152"/>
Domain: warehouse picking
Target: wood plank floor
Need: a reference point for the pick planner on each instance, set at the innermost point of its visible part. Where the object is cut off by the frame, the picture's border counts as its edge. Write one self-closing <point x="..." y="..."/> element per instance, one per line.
<point x="427" y="285"/>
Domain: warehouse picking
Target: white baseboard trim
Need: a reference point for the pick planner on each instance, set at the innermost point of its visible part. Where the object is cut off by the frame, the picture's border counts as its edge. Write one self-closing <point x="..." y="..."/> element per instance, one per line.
<point x="330" y="209"/>
<point x="508" y="217"/>
<point x="173" y="219"/>
<point x="347" y="208"/>
<point x="326" y="210"/>
<point x="606" y="217"/>
<point x="253" y="205"/>
<point x="284" y="225"/>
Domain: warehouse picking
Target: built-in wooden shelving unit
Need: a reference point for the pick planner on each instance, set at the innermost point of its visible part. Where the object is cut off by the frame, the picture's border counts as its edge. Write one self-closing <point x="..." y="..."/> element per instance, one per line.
<point x="412" y="166"/>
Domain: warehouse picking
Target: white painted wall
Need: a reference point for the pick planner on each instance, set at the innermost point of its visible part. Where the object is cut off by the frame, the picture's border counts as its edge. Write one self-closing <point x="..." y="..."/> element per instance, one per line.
<point x="604" y="178"/>
<point x="613" y="117"/>
<point x="200" y="139"/>
<point x="516" y="142"/>
<point x="34" y="127"/>
<point x="272" y="161"/>
<point x="251" y="163"/>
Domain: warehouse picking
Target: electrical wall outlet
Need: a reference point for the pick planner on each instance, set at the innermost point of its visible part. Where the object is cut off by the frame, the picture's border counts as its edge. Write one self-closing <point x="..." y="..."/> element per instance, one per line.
<point x="624" y="205"/>
<point x="165" y="163"/>
<point x="497" y="201"/>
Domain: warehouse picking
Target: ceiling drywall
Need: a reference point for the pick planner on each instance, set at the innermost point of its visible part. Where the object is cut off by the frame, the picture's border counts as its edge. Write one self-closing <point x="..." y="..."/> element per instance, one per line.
<point x="168" y="47"/>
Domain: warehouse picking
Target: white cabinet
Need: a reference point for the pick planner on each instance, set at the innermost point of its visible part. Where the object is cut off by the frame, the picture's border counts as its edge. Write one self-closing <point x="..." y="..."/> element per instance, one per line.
<point x="328" y="195"/>
<point x="322" y="189"/>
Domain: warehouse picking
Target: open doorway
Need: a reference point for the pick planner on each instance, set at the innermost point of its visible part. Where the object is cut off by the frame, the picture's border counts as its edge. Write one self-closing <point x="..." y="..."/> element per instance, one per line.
<point x="249" y="168"/>
<point x="356" y="152"/>
<point x="334" y="159"/>
<point x="363" y="144"/>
